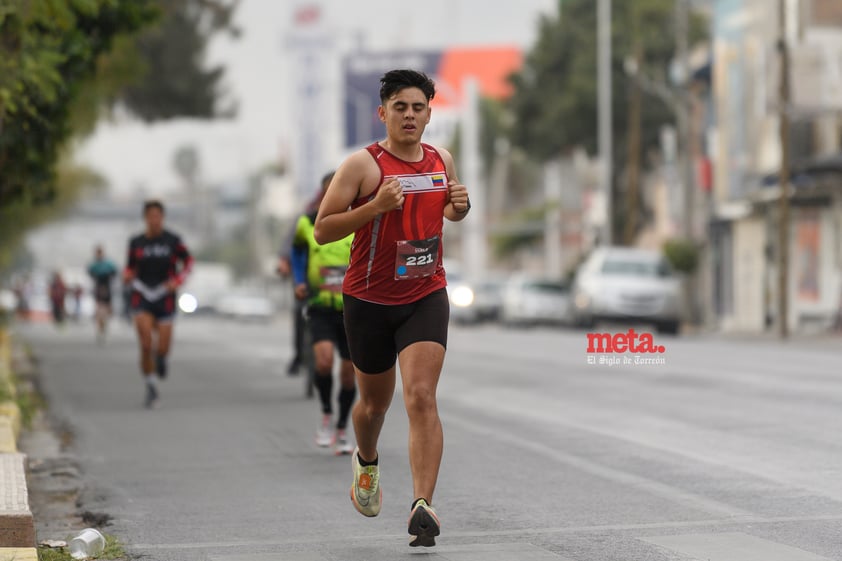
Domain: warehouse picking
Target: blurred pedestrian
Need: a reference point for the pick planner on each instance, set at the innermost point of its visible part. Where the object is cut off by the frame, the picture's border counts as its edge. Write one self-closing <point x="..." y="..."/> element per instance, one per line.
<point x="76" y="292"/>
<point x="318" y="282"/>
<point x="23" y="291"/>
<point x="102" y="271"/>
<point x="58" y="294"/>
<point x="158" y="263"/>
<point x="394" y="195"/>
<point x="288" y="257"/>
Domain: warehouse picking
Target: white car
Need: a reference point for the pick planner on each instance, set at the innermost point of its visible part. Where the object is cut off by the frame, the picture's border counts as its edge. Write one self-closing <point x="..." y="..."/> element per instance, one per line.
<point x="629" y="285"/>
<point x="244" y="306"/>
<point x="529" y="300"/>
<point x="475" y="302"/>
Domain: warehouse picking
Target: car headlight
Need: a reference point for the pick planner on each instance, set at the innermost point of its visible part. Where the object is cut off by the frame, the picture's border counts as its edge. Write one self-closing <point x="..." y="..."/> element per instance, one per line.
<point x="462" y="296"/>
<point x="187" y="303"/>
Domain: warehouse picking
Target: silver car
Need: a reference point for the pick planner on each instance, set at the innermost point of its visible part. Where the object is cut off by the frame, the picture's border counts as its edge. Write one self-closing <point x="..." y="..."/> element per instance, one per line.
<point x="621" y="284"/>
<point x="529" y="300"/>
<point x="475" y="302"/>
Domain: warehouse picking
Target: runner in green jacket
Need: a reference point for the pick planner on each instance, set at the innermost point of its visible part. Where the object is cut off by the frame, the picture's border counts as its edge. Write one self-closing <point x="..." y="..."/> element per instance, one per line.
<point x="319" y="282"/>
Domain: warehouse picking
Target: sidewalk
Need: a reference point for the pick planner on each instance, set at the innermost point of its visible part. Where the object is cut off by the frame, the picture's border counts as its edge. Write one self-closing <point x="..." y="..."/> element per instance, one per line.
<point x="17" y="525"/>
<point x="819" y="339"/>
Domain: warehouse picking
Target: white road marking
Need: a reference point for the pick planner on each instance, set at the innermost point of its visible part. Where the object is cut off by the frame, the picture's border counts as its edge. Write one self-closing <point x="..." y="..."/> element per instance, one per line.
<point x="509" y="533"/>
<point x="668" y="492"/>
<point x="474" y="552"/>
<point x="759" y="457"/>
<point x="732" y="546"/>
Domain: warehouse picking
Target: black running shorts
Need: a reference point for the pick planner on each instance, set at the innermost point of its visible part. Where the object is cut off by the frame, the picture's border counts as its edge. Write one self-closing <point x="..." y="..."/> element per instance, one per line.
<point x="377" y="332"/>
<point x="328" y="325"/>
<point x="162" y="310"/>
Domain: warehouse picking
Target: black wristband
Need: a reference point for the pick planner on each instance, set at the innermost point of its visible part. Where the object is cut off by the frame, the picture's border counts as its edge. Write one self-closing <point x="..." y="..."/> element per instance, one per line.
<point x="467" y="208"/>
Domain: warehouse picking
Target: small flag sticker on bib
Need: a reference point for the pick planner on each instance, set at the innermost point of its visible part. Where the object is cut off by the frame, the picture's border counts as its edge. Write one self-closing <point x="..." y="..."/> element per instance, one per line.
<point x="438" y="181"/>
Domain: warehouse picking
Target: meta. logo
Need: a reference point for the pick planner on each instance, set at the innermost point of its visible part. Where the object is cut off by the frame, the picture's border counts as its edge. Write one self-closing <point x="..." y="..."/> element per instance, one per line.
<point x="631" y="342"/>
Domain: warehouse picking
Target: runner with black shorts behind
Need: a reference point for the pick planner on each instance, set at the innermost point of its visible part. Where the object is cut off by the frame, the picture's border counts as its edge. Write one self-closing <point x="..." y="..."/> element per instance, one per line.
<point x="158" y="263"/>
<point x="318" y="282"/>
<point x="394" y="195"/>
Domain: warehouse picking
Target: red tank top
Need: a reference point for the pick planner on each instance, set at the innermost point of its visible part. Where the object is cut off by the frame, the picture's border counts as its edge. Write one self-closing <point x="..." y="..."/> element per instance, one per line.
<point x="397" y="257"/>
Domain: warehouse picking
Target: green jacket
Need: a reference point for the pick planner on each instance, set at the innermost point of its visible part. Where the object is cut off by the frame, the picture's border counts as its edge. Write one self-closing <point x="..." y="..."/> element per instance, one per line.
<point x="326" y="264"/>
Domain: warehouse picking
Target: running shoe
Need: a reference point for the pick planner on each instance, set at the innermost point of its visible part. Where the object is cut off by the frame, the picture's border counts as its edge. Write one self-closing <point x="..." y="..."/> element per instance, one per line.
<point x="365" y="491"/>
<point x="161" y="366"/>
<point x="151" y="401"/>
<point x="424" y="525"/>
<point x="342" y="445"/>
<point x="324" y="434"/>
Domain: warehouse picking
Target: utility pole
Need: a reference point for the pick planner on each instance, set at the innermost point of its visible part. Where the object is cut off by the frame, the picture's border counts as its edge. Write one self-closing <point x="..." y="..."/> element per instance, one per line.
<point x="474" y="241"/>
<point x="783" y="203"/>
<point x="604" y="116"/>
<point x="634" y="133"/>
<point x="685" y="134"/>
<point x="682" y="17"/>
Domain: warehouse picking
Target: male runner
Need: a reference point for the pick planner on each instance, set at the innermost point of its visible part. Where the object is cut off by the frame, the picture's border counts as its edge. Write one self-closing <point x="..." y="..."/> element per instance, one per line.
<point x="154" y="274"/>
<point x="318" y="282"/>
<point x="288" y="258"/>
<point x="394" y="195"/>
<point x="102" y="271"/>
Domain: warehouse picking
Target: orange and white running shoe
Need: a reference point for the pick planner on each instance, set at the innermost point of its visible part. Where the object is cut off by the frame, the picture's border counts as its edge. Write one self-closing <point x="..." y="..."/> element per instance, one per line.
<point x="365" y="491"/>
<point x="424" y="525"/>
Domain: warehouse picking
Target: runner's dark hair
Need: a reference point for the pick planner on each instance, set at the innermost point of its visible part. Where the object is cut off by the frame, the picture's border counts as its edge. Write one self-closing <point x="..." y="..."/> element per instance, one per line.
<point x="395" y="80"/>
<point x="153" y="203"/>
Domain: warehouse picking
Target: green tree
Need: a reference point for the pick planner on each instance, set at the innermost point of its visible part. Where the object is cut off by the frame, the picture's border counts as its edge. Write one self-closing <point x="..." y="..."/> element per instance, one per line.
<point x="177" y="83"/>
<point x="555" y="99"/>
<point x="49" y="49"/>
<point x="63" y="62"/>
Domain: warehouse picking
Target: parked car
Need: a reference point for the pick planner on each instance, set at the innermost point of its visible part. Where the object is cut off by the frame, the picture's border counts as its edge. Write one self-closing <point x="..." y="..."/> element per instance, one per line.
<point x="246" y="306"/>
<point x="474" y="302"/>
<point x="529" y="300"/>
<point x="621" y="284"/>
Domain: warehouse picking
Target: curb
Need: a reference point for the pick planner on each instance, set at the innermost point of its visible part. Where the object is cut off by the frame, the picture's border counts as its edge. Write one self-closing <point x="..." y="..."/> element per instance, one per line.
<point x="17" y="526"/>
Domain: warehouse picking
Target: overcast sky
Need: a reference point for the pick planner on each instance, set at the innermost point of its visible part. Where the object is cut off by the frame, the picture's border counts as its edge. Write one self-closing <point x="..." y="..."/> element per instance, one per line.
<point x="130" y="154"/>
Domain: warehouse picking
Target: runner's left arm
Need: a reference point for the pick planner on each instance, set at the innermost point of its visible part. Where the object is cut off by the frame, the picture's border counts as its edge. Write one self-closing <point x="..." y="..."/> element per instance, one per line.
<point x="182" y="255"/>
<point x="458" y="203"/>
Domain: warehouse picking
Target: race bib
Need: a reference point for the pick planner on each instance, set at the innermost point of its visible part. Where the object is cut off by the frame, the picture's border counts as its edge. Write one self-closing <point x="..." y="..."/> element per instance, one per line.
<point x="332" y="277"/>
<point x="416" y="258"/>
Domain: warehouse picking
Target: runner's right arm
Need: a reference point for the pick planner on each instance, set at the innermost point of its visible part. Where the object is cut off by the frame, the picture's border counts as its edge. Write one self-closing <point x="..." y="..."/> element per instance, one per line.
<point x="130" y="271"/>
<point x="335" y="219"/>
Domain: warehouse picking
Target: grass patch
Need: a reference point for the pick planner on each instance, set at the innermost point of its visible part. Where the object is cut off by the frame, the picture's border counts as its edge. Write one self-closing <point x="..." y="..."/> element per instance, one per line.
<point x="29" y="402"/>
<point x="24" y="394"/>
<point x="113" y="550"/>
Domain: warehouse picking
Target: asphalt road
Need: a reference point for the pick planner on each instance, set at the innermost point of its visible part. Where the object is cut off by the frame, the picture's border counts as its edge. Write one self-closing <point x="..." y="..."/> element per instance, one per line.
<point x="728" y="451"/>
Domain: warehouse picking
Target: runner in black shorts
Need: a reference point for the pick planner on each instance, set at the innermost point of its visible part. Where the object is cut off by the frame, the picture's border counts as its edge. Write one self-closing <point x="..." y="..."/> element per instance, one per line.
<point x="158" y="264"/>
<point x="318" y="282"/>
<point x="102" y="271"/>
<point x="394" y="195"/>
<point x="377" y="333"/>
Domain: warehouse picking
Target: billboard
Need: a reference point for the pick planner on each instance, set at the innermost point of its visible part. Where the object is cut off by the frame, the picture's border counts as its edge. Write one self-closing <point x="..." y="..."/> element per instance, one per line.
<point x="490" y="66"/>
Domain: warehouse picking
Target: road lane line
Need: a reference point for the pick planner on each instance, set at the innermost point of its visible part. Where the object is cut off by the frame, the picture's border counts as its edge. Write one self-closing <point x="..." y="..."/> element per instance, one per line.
<point x="732" y="546"/>
<point x="673" y="494"/>
<point x="756" y="457"/>
<point x="472" y="552"/>
<point x="509" y="533"/>
<point x="291" y="556"/>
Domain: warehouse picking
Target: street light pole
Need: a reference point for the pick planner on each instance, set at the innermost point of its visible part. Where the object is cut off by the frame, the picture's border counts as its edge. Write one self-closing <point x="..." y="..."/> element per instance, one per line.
<point x="783" y="203"/>
<point x="604" y="115"/>
<point x="682" y="17"/>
